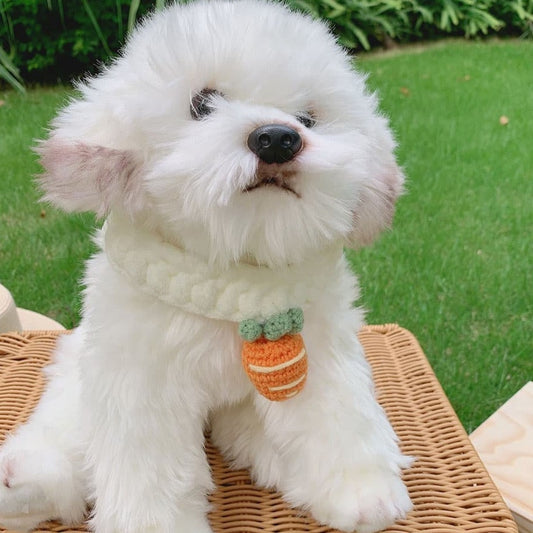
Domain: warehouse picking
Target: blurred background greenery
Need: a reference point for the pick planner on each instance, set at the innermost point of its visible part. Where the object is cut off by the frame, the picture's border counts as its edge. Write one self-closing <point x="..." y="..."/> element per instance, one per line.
<point x="52" y="41"/>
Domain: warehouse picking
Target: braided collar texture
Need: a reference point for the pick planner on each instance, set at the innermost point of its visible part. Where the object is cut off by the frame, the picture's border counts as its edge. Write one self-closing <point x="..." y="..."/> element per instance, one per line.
<point x="187" y="281"/>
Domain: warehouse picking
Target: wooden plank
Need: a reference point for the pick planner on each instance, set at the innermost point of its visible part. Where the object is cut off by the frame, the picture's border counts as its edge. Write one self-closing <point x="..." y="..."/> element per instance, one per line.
<point x="504" y="443"/>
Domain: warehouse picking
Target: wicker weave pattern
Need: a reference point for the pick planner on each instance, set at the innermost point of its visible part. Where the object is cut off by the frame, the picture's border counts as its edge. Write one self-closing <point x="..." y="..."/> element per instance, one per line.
<point x="449" y="486"/>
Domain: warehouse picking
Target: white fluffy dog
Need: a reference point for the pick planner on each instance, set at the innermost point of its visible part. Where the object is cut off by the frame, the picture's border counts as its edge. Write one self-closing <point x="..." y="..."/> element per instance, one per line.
<point x="234" y="151"/>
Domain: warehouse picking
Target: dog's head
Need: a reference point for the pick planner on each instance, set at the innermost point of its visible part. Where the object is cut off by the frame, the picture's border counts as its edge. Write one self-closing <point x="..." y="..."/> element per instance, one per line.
<point x="237" y="129"/>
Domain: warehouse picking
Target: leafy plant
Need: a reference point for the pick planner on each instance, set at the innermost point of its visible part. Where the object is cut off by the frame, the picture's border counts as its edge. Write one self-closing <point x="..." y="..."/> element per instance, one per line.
<point x="360" y="23"/>
<point x="9" y="72"/>
<point x="54" y="40"/>
<point x="517" y="14"/>
<point x="470" y="16"/>
<point x="366" y="23"/>
<point x="97" y="29"/>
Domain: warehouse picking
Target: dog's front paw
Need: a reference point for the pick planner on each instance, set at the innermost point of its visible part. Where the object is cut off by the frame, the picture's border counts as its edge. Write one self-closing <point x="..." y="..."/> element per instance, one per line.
<point x="23" y="502"/>
<point x="36" y="486"/>
<point x="366" y="502"/>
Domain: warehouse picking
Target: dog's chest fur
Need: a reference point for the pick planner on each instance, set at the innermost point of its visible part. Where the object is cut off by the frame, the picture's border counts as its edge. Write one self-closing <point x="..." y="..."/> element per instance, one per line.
<point x="197" y="354"/>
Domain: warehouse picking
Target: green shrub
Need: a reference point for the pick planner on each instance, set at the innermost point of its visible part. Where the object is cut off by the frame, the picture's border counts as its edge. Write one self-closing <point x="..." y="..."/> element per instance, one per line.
<point x="367" y="23"/>
<point x="51" y="40"/>
<point x="9" y="72"/>
<point x="56" y="40"/>
<point x="516" y="14"/>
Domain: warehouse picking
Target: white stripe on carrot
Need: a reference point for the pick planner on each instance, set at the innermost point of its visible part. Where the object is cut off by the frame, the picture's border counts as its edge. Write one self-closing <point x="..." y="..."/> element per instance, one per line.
<point x="269" y="369"/>
<point x="292" y="394"/>
<point x="289" y="385"/>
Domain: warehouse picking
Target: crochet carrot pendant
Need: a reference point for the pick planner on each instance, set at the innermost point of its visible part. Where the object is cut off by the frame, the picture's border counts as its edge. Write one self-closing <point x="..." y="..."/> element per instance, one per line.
<point x="274" y="356"/>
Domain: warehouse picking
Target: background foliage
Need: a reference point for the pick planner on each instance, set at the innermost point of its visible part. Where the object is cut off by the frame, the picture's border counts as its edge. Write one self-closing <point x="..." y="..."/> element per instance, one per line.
<point x="369" y="23"/>
<point x="53" y="40"/>
<point x="50" y="40"/>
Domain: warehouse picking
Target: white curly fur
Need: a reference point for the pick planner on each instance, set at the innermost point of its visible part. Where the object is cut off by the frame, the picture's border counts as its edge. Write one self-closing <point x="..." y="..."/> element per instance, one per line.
<point x="121" y="423"/>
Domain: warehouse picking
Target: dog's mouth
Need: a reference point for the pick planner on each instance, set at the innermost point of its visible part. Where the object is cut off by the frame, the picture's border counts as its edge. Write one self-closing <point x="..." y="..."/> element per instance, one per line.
<point x="281" y="180"/>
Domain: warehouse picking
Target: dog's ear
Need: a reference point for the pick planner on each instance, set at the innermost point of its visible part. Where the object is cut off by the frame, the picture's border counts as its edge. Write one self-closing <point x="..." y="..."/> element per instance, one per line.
<point x="383" y="185"/>
<point x="376" y="206"/>
<point x="83" y="177"/>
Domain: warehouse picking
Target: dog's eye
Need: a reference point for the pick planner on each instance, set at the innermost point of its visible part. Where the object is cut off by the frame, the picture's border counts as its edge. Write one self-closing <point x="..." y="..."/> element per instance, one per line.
<point x="201" y="103"/>
<point x="307" y="119"/>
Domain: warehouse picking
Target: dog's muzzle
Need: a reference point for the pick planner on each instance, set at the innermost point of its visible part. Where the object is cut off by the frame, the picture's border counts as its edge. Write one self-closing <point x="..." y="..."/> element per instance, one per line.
<point x="275" y="143"/>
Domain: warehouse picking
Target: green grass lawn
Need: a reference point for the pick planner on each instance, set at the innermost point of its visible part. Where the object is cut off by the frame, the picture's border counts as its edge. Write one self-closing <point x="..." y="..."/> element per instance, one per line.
<point x="41" y="249"/>
<point x="456" y="269"/>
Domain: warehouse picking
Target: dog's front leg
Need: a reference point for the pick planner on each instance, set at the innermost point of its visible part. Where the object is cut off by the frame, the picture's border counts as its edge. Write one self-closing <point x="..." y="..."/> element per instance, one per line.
<point x="146" y="459"/>
<point x="338" y="455"/>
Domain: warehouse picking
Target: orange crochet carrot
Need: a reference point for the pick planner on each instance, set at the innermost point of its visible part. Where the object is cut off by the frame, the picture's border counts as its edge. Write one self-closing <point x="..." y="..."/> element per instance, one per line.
<point x="278" y="368"/>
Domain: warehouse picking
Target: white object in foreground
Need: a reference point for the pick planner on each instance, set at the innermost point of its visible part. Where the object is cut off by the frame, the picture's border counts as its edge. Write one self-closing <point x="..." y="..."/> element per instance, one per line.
<point x="16" y="319"/>
<point x="505" y="444"/>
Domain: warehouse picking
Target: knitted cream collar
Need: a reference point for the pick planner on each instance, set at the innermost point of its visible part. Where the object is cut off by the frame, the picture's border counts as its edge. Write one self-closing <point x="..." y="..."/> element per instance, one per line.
<point x="187" y="281"/>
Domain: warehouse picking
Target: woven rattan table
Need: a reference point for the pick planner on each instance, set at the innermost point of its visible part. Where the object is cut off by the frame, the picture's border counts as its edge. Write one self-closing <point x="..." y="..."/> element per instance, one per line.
<point x="450" y="488"/>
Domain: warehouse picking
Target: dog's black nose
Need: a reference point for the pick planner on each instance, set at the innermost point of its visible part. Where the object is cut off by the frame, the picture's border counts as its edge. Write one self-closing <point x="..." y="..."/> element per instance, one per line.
<point x="274" y="143"/>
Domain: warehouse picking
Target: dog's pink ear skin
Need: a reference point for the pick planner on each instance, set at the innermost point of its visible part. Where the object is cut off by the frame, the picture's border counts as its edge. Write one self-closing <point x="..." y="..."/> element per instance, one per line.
<point x="82" y="177"/>
<point x="376" y="207"/>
